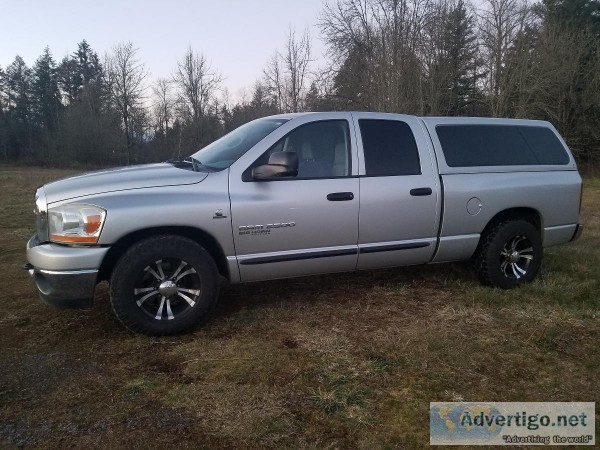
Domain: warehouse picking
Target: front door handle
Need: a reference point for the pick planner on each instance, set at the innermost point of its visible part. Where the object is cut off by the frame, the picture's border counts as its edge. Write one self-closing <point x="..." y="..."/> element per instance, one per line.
<point x="420" y="192"/>
<point x="340" y="196"/>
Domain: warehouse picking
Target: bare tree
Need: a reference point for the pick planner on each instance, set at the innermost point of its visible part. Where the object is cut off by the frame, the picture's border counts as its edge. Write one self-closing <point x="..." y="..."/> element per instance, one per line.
<point x="197" y="84"/>
<point x="501" y="21"/>
<point x="163" y="104"/>
<point x="287" y="73"/>
<point x="125" y="76"/>
<point x="377" y="43"/>
<point x="434" y="57"/>
<point x="559" y="81"/>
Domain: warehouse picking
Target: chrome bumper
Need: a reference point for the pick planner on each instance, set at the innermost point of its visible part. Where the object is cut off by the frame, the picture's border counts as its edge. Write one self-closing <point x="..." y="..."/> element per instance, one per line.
<point x="64" y="276"/>
<point x="73" y="289"/>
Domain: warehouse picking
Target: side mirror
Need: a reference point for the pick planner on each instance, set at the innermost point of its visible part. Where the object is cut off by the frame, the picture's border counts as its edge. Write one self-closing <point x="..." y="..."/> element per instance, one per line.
<point x="281" y="164"/>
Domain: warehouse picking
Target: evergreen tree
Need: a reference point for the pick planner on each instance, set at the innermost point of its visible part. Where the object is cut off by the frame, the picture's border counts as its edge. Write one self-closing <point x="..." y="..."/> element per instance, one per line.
<point x="80" y="76"/>
<point x="18" y="99"/>
<point x="91" y="131"/>
<point x="45" y="93"/>
<point x="575" y="14"/>
<point x="3" y="120"/>
<point x="352" y="84"/>
<point x="89" y="76"/>
<point x="458" y="68"/>
<point x="67" y="78"/>
<point x="88" y="63"/>
<point x="2" y="87"/>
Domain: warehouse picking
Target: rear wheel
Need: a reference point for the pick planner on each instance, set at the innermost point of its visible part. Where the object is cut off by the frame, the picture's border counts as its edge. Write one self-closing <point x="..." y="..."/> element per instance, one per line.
<point x="510" y="254"/>
<point x="164" y="285"/>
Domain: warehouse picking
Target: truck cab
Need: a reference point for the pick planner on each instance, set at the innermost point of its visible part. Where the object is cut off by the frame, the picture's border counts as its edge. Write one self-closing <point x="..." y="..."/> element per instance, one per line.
<point x="359" y="175"/>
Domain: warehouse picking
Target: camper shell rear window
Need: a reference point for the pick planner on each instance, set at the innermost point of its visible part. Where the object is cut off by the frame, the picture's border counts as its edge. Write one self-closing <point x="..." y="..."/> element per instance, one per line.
<point x="500" y="145"/>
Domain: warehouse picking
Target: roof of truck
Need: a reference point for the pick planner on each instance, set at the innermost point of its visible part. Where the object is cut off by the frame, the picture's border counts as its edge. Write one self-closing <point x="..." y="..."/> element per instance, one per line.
<point x="430" y="123"/>
<point x="447" y="119"/>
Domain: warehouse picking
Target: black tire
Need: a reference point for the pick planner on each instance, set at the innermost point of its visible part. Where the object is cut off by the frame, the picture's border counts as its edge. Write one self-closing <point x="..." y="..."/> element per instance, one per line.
<point x="501" y="265"/>
<point x="185" y="296"/>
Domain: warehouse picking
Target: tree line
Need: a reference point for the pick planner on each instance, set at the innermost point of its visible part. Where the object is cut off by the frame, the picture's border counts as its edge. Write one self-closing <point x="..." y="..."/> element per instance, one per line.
<point x="502" y="58"/>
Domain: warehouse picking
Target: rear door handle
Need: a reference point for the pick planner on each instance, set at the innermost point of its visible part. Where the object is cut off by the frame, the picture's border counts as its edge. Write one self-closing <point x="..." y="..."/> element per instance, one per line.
<point x="420" y="192"/>
<point x="340" y="196"/>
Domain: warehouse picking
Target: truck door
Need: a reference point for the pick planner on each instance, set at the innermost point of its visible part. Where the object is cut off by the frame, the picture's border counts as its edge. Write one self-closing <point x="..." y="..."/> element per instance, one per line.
<point x="399" y="191"/>
<point x="305" y="224"/>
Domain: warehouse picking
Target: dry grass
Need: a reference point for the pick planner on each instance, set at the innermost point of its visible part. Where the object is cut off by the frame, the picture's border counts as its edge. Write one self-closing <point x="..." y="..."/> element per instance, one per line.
<point x="349" y="360"/>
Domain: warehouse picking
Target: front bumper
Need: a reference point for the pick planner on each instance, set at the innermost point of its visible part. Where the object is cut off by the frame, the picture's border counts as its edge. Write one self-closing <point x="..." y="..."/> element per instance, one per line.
<point x="65" y="289"/>
<point x="64" y="276"/>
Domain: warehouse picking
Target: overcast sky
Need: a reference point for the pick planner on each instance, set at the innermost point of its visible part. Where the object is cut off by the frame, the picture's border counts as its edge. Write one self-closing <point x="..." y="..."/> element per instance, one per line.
<point x="237" y="36"/>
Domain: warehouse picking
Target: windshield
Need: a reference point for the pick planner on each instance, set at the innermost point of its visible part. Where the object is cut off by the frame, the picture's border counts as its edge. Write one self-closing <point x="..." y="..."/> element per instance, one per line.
<point x="225" y="151"/>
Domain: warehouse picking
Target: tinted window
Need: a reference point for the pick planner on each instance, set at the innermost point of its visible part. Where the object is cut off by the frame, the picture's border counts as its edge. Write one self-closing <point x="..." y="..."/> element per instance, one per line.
<point x="500" y="145"/>
<point x="389" y="147"/>
<point x="323" y="149"/>
<point x="545" y="145"/>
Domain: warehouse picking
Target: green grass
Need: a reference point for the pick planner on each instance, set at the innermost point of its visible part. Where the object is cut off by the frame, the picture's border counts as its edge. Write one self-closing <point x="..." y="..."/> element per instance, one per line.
<point x="347" y="360"/>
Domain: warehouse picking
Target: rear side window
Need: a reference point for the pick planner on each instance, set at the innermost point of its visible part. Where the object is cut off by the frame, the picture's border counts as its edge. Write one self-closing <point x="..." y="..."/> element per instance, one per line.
<point x="390" y="148"/>
<point x="500" y="145"/>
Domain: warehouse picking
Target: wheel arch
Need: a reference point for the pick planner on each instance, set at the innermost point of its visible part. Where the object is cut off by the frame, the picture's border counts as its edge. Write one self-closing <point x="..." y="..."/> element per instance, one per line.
<point x="206" y="240"/>
<point x="531" y="215"/>
<point x="488" y="262"/>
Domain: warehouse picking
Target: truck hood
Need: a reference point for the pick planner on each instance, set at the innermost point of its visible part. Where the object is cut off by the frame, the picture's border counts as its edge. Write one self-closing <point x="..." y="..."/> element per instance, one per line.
<point x="119" y="179"/>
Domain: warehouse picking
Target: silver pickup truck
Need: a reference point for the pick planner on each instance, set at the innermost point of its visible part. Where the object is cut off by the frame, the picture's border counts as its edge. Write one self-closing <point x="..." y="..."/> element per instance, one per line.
<point x="301" y="194"/>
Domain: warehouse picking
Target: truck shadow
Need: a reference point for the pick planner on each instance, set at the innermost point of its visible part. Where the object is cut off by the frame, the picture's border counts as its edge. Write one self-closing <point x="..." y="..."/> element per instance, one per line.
<point x="339" y="287"/>
<point x="242" y="301"/>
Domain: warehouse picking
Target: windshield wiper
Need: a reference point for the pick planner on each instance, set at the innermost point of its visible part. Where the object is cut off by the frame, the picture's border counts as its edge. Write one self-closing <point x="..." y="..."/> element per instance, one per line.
<point x="197" y="166"/>
<point x="194" y="162"/>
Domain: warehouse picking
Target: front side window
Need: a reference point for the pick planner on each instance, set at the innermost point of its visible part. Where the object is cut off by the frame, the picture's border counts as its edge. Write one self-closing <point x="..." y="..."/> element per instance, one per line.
<point x="225" y="151"/>
<point x="323" y="149"/>
<point x="390" y="148"/>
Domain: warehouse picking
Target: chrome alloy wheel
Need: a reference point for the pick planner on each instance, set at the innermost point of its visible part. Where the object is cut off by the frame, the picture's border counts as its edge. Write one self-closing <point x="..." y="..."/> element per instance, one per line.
<point x="167" y="288"/>
<point x="516" y="257"/>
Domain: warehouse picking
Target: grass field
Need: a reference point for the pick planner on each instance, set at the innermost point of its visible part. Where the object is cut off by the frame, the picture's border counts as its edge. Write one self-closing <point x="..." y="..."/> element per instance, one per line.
<point x="336" y="361"/>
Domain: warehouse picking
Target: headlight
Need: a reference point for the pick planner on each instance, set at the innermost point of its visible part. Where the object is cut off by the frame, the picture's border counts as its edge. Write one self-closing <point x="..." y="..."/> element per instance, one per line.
<point x="41" y="215"/>
<point x="75" y="224"/>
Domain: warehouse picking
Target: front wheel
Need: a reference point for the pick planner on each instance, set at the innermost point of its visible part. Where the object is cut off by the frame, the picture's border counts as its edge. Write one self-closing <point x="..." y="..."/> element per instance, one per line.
<point x="164" y="285"/>
<point x="510" y="254"/>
